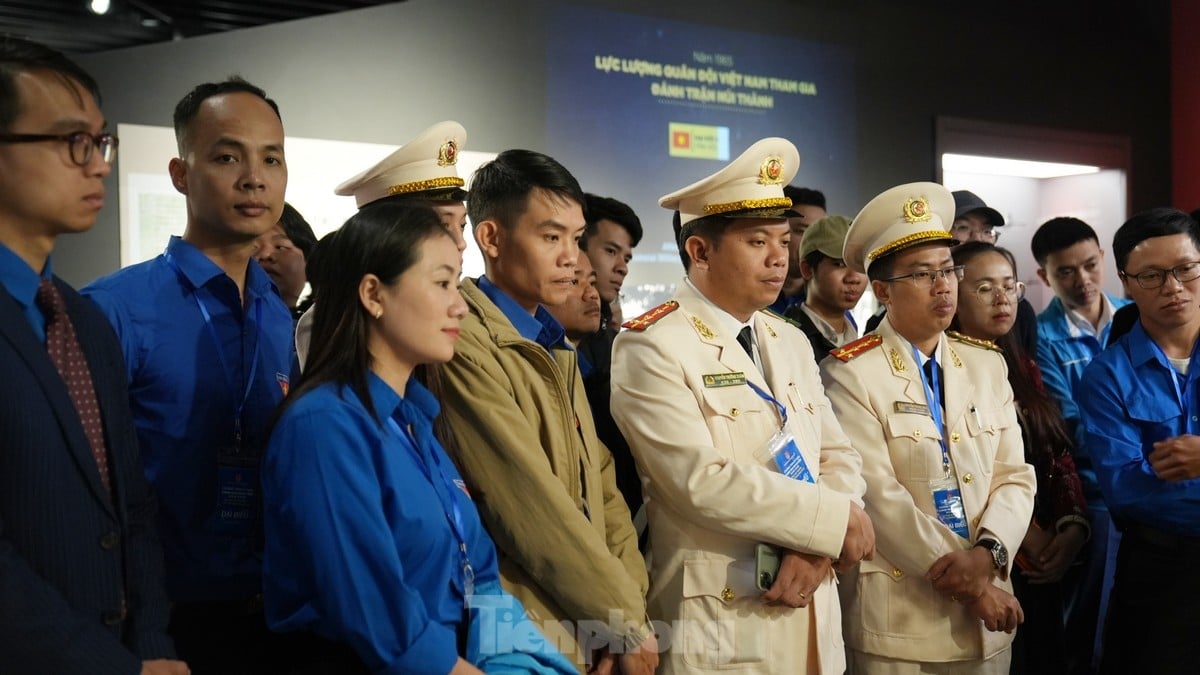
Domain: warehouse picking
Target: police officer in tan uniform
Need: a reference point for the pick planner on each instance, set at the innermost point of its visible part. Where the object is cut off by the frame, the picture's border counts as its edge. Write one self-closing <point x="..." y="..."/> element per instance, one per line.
<point x="736" y="443"/>
<point x="947" y="485"/>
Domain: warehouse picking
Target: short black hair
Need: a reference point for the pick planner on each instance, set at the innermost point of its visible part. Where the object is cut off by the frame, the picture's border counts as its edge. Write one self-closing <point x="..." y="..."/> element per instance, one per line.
<point x="500" y="188"/>
<point x="598" y="208"/>
<point x="1157" y="222"/>
<point x="189" y="106"/>
<point x="709" y="228"/>
<point x="814" y="258"/>
<point x="1058" y="233"/>
<point x="297" y="229"/>
<point x="803" y="195"/>
<point x="883" y="268"/>
<point x="22" y="56"/>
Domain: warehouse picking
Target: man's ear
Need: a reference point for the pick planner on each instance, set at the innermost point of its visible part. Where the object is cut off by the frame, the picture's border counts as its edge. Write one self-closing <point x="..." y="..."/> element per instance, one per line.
<point x="698" y="249"/>
<point x="178" y="170"/>
<point x="1041" y="272"/>
<point x="882" y="291"/>
<point x="489" y="236"/>
<point x="807" y="270"/>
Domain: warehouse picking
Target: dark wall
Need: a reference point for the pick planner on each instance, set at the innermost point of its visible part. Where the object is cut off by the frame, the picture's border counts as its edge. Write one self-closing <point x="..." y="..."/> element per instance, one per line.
<point x="384" y="73"/>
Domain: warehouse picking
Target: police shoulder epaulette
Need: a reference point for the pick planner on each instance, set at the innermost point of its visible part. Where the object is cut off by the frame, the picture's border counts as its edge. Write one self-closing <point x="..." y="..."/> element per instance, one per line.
<point x="853" y="349"/>
<point x="982" y="344"/>
<point x="651" y="317"/>
<point x="770" y="312"/>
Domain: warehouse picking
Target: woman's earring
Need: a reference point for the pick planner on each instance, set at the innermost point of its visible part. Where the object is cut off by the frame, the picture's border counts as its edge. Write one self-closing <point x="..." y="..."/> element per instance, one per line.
<point x="378" y="313"/>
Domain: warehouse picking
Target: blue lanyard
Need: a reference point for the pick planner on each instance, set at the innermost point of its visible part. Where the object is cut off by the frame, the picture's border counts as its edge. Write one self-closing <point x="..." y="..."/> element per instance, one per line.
<point x="454" y="516"/>
<point x="771" y="399"/>
<point x="934" y="404"/>
<point x="239" y="406"/>
<point x="1161" y="357"/>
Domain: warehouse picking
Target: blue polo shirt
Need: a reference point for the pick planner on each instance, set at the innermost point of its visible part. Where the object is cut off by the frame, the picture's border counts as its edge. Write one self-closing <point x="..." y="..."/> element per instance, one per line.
<point x="194" y="354"/>
<point x="21" y="282"/>
<point x="540" y="327"/>
<point x="1131" y="397"/>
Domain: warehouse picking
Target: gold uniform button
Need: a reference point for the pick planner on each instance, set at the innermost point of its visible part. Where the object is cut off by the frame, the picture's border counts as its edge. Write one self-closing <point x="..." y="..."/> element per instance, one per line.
<point x="897" y="572"/>
<point x="916" y="433"/>
<point x="975" y="523"/>
<point x="734" y="412"/>
<point x="954" y="437"/>
<point x="968" y="479"/>
<point x="727" y="594"/>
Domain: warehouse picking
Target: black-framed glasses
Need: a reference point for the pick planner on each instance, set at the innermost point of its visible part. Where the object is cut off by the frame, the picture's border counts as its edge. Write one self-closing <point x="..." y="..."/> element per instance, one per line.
<point x="1155" y="278"/>
<point x="927" y="278"/>
<point x="81" y="144"/>
<point x="990" y="293"/>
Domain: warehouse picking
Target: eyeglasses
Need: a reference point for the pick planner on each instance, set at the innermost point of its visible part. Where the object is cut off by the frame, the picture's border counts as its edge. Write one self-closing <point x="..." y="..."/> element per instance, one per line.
<point x="964" y="232"/>
<point x="989" y="294"/>
<point x="81" y="144"/>
<point x="928" y="278"/>
<point x="1155" y="278"/>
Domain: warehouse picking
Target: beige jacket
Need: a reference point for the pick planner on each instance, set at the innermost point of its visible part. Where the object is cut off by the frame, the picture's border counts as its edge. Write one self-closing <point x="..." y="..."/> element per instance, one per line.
<point x="544" y="484"/>
<point x="713" y="494"/>
<point x="890" y="609"/>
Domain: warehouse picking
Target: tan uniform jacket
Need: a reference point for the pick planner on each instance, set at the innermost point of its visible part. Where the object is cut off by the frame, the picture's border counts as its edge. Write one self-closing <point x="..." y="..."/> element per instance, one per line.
<point x="543" y="482"/>
<point x="712" y="491"/>
<point x="890" y="609"/>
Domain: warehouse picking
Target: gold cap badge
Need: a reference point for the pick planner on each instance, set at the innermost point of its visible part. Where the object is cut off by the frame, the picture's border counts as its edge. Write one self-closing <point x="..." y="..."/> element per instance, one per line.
<point x="916" y="210"/>
<point x="771" y="172"/>
<point x="448" y="153"/>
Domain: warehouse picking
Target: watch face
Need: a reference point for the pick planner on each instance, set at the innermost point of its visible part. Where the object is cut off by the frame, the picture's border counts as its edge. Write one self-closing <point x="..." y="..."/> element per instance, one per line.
<point x="1000" y="555"/>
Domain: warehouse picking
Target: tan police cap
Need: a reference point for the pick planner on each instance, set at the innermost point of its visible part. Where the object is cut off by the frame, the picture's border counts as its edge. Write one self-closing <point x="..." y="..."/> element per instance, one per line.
<point x="750" y="186"/>
<point x="904" y="216"/>
<point x="827" y="235"/>
<point x="424" y="168"/>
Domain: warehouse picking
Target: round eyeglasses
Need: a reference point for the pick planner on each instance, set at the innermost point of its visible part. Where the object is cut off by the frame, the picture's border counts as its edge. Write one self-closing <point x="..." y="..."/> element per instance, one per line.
<point x="1155" y="278"/>
<point x="80" y="143"/>
<point x="965" y="232"/>
<point x="990" y="293"/>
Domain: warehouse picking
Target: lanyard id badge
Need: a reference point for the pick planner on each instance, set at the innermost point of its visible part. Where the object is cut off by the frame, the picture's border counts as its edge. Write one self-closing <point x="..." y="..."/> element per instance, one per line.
<point x="947" y="497"/>
<point x="782" y="445"/>
<point x="237" y="491"/>
<point x="787" y="457"/>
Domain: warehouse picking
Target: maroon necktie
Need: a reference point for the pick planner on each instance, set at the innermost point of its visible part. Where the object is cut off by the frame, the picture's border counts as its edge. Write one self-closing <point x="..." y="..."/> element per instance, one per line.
<point x="68" y="358"/>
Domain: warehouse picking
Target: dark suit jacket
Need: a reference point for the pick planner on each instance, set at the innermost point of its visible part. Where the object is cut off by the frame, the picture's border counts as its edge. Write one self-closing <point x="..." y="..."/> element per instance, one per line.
<point x="81" y="579"/>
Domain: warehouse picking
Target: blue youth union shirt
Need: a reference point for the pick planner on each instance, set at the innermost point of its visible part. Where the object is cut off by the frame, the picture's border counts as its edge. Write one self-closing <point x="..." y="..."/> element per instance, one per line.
<point x="185" y="381"/>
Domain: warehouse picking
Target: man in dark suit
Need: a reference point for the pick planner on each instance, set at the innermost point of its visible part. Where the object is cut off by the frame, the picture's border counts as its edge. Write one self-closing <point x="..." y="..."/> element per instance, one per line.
<point x="81" y="580"/>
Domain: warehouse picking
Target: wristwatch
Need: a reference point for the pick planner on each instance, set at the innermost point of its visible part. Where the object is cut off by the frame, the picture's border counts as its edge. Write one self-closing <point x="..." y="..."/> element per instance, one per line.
<point x="999" y="553"/>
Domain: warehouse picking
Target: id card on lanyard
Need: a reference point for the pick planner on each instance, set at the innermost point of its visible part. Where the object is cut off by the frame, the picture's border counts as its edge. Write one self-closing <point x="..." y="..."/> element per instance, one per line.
<point x="237" y="465"/>
<point x="782" y="445"/>
<point x="947" y="497"/>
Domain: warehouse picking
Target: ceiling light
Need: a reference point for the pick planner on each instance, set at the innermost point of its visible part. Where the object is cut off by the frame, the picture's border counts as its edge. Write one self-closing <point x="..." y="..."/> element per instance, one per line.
<point x="99" y="6"/>
<point x="1001" y="166"/>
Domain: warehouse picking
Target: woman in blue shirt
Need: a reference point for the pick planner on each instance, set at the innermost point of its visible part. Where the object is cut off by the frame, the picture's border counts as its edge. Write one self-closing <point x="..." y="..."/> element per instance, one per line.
<point x="372" y="541"/>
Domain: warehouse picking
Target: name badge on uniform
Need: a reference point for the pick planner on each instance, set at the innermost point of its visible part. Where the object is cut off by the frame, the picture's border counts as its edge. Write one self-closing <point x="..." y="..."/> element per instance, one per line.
<point x="947" y="498"/>
<point x="712" y="380"/>
<point x="910" y="407"/>
<point x="788" y="458"/>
